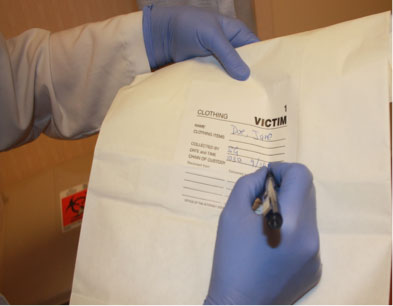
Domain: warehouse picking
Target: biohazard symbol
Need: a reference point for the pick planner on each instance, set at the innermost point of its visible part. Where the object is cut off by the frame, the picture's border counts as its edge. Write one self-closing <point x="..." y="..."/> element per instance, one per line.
<point x="77" y="205"/>
<point x="73" y="207"/>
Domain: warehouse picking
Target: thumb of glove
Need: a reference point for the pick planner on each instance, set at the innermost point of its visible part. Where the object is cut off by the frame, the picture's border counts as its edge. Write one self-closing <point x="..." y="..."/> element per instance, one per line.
<point x="228" y="57"/>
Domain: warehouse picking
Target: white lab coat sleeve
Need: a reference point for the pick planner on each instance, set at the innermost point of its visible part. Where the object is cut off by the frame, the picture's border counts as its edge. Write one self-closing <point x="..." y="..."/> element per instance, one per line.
<point x="63" y="83"/>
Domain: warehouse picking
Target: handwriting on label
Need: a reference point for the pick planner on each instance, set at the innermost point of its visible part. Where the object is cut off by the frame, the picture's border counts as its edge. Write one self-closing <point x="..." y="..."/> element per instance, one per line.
<point x="251" y="133"/>
<point x="233" y="156"/>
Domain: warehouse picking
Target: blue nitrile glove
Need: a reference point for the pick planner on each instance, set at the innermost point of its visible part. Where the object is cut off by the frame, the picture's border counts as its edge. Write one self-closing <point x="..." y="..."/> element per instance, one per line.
<point x="255" y="265"/>
<point x="174" y="34"/>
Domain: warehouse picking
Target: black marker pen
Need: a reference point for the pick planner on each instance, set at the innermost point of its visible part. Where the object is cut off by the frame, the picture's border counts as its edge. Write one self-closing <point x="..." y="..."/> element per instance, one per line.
<point x="268" y="206"/>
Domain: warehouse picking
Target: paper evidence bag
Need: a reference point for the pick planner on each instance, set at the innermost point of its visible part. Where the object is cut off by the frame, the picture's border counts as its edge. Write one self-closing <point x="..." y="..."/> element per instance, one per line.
<point x="175" y="141"/>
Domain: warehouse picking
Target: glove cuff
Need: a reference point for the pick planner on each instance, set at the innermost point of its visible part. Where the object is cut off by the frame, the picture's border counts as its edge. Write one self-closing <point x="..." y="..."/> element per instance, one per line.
<point x="157" y="35"/>
<point x="148" y="35"/>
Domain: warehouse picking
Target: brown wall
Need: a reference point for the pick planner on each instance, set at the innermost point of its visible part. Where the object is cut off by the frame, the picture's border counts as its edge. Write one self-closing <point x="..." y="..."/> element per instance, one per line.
<point x="275" y="18"/>
<point x="55" y="15"/>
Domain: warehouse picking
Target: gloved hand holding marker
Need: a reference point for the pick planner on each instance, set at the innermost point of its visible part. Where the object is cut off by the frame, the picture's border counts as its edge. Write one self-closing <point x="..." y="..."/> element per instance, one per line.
<point x="254" y="264"/>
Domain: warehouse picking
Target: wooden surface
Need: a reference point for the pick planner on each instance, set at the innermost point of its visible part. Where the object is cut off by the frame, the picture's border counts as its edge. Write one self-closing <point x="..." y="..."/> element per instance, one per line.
<point x="42" y="154"/>
<point x="37" y="257"/>
<point x="17" y="16"/>
<point x="275" y="18"/>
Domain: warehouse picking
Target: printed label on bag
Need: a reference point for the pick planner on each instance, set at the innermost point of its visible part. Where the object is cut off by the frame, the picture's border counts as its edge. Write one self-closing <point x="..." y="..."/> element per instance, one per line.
<point x="222" y="139"/>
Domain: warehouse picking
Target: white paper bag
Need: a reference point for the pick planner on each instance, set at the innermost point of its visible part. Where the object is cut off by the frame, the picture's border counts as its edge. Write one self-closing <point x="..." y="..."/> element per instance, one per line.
<point x="175" y="141"/>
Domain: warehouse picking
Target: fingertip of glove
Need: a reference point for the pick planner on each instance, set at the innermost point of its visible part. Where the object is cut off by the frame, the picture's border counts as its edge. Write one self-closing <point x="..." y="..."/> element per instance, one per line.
<point x="240" y="73"/>
<point x="294" y="171"/>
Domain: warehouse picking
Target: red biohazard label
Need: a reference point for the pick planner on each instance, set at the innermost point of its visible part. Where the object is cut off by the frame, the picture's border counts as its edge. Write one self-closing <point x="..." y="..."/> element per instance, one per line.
<point x="72" y="207"/>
